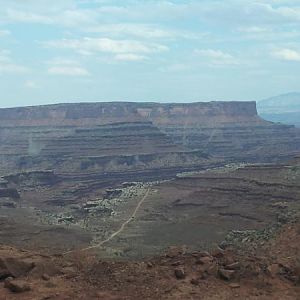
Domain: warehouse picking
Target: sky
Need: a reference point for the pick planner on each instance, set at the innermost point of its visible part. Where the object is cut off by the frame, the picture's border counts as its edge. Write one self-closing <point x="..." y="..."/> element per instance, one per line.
<point x="54" y="51"/>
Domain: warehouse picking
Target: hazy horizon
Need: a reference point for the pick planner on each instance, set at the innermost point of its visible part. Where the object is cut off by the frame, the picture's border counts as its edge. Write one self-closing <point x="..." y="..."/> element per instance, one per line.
<point x="147" y="51"/>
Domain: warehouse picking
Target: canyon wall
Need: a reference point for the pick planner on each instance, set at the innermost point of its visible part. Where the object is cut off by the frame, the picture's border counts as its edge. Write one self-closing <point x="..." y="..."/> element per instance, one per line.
<point x="127" y="136"/>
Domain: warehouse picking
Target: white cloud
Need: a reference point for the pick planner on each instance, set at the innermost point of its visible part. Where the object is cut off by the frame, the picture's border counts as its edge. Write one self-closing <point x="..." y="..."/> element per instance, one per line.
<point x="292" y="13"/>
<point x="57" y="61"/>
<point x="180" y="67"/>
<point x="253" y="29"/>
<point x="217" y="57"/>
<point x="248" y="13"/>
<point x="141" y="30"/>
<point x="71" y="12"/>
<point x="287" y="54"/>
<point x="4" y="32"/>
<point x="40" y="5"/>
<point x="130" y="57"/>
<point x="8" y="66"/>
<point x="31" y="84"/>
<point x="66" y="67"/>
<point x="65" y="16"/>
<point x="27" y="17"/>
<point x="68" y="71"/>
<point x="269" y="33"/>
<point x="77" y="18"/>
<point x="93" y="45"/>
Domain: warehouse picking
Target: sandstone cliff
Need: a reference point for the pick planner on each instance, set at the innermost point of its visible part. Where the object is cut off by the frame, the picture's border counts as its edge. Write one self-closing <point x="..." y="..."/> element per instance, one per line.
<point x="87" y="114"/>
<point x="124" y="136"/>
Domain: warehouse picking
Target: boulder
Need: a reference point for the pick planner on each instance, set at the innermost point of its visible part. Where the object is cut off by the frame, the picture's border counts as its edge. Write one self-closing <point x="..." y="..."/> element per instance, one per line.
<point x="45" y="267"/>
<point x="206" y="260"/>
<point x="45" y="277"/>
<point x="226" y="274"/>
<point x="233" y="266"/>
<point x="174" y="251"/>
<point x="4" y="273"/>
<point x="15" y="267"/>
<point x="218" y="253"/>
<point x="17" y="286"/>
<point x="179" y="273"/>
<point x="204" y="254"/>
<point x="150" y="264"/>
<point x="176" y="263"/>
<point x="228" y="259"/>
<point x="212" y="269"/>
<point x="194" y="281"/>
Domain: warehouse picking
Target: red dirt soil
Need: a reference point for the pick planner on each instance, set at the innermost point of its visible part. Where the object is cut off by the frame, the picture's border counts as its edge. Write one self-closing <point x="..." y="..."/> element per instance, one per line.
<point x="271" y="272"/>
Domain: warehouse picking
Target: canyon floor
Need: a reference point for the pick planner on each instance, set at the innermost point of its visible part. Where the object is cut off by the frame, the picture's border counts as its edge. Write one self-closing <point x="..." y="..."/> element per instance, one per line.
<point x="196" y="209"/>
<point x="223" y="233"/>
<point x="270" y="271"/>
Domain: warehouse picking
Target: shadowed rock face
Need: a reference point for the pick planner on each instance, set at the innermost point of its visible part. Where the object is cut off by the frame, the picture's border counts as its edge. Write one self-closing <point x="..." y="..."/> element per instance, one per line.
<point x="127" y="136"/>
<point x="110" y="148"/>
<point x="250" y="142"/>
<point x="110" y="139"/>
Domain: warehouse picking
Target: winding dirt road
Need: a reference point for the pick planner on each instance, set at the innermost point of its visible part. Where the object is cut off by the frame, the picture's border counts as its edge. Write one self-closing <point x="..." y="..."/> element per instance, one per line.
<point x="116" y="233"/>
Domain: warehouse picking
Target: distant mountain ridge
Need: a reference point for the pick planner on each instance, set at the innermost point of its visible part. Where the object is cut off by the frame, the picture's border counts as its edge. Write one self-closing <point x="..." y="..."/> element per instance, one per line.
<point x="284" y="108"/>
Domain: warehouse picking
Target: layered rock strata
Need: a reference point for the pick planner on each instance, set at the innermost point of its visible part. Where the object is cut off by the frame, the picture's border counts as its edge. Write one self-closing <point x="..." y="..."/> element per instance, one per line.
<point x="123" y="136"/>
<point x="116" y="147"/>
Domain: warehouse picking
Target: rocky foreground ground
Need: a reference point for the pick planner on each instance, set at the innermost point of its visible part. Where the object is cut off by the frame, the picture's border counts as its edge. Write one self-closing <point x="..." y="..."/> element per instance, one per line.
<point x="271" y="271"/>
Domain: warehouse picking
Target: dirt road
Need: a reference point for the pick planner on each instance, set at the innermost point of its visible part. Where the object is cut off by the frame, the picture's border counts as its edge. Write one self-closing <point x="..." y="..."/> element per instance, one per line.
<point x="116" y="233"/>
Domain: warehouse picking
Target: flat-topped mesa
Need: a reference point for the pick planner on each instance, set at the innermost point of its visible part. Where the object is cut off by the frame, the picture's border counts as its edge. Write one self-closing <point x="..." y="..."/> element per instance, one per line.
<point x="88" y="114"/>
<point x="74" y="114"/>
<point x="224" y="130"/>
<point x="201" y="113"/>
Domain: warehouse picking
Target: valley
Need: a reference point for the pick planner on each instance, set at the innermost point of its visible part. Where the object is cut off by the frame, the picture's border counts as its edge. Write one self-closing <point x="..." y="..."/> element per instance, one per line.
<point x="122" y="183"/>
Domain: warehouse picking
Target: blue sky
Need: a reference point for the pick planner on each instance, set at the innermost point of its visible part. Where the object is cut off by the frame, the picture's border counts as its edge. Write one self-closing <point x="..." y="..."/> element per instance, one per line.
<point x="146" y="50"/>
